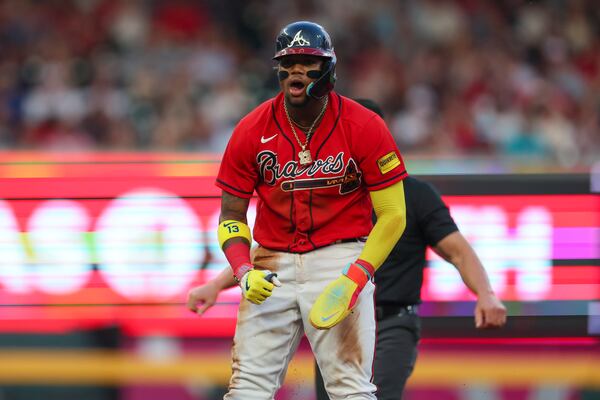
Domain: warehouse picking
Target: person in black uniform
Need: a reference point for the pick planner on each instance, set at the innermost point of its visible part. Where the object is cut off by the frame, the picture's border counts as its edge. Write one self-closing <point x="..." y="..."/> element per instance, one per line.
<point x="398" y="285"/>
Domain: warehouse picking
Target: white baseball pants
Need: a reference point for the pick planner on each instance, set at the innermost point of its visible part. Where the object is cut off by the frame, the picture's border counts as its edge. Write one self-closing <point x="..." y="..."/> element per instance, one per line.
<point x="268" y="335"/>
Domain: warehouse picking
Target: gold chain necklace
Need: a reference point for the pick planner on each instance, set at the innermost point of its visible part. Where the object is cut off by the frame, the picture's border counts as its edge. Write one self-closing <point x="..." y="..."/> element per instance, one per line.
<point x="305" y="128"/>
<point x="304" y="155"/>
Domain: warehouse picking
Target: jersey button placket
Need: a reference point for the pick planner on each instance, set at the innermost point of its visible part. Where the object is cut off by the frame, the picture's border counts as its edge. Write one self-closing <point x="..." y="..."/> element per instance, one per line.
<point x="302" y="217"/>
<point x="303" y="211"/>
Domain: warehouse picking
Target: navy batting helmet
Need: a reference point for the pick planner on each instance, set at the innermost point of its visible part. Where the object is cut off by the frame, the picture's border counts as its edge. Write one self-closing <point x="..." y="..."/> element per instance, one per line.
<point x="308" y="38"/>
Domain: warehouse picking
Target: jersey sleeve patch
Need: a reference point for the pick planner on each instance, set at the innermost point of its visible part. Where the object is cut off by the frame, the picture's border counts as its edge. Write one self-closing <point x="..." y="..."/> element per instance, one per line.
<point x="388" y="162"/>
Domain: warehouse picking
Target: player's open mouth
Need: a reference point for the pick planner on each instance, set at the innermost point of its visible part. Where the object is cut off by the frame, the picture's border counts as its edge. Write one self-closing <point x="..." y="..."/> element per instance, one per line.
<point x="296" y="88"/>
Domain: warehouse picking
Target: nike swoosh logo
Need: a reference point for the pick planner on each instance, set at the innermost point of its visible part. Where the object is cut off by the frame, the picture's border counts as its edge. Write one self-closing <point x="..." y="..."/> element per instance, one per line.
<point x="264" y="140"/>
<point x="324" y="319"/>
<point x="247" y="286"/>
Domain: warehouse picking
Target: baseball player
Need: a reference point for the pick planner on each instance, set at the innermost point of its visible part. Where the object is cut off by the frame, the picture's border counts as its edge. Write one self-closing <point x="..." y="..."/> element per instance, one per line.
<point x="318" y="162"/>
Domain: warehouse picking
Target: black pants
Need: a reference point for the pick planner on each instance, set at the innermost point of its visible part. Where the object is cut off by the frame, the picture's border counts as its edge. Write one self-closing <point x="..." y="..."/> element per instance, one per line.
<point x="395" y="356"/>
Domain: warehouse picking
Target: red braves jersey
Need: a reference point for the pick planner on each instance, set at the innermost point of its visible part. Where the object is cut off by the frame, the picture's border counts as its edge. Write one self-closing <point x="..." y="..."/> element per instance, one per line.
<point x="301" y="208"/>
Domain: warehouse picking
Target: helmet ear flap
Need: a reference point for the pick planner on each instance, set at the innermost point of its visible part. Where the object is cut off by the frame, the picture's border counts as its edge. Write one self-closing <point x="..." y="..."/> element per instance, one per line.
<point x="319" y="88"/>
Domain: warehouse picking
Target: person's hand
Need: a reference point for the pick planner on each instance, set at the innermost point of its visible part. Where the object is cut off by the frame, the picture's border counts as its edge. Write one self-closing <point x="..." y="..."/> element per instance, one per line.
<point x="257" y="285"/>
<point x="489" y="311"/>
<point x="339" y="297"/>
<point x="203" y="297"/>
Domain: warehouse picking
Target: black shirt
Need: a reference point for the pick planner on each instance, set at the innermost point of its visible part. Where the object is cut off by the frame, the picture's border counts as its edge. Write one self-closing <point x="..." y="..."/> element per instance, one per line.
<point x="428" y="221"/>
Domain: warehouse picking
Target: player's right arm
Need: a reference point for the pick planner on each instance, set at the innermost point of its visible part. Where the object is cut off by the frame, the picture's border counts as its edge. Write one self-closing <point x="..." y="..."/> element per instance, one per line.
<point x="235" y="240"/>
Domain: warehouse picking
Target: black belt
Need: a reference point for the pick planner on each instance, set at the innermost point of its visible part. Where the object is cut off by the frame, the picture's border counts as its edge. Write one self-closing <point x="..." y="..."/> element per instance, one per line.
<point x="351" y="240"/>
<point x="383" y="312"/>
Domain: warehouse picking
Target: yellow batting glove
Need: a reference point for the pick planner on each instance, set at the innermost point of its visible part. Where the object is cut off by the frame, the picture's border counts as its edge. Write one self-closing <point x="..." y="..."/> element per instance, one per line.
<point x="339" y="297"/>
<point x="257" y="285"/>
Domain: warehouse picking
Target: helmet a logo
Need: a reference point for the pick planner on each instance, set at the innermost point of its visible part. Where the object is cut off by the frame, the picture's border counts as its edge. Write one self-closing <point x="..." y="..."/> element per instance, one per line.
<point x="299" y="40"/>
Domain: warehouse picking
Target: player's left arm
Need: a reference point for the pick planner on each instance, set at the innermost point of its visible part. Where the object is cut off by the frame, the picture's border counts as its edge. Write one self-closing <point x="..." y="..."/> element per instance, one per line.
<point x="340" y="296"/>
<point x="390" y="208"/>
<point x="388" y="200"/>
<point x="489" y="311"/>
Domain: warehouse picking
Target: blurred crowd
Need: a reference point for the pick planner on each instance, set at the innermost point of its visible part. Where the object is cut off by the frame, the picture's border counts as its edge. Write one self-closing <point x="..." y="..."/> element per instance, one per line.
<point x="498" y="78"/>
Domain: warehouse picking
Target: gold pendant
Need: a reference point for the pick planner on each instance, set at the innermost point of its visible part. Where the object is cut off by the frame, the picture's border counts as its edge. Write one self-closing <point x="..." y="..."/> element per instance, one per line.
<point x="305" y="157"/>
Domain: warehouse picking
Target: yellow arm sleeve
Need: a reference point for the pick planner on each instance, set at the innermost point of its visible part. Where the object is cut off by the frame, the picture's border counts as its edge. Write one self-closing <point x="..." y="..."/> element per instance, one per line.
<point x="390" y="208"/>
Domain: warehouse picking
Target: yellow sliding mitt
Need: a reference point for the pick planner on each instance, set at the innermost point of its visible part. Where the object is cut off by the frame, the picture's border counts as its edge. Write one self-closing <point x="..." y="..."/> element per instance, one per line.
<point x="339" y="297"/>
